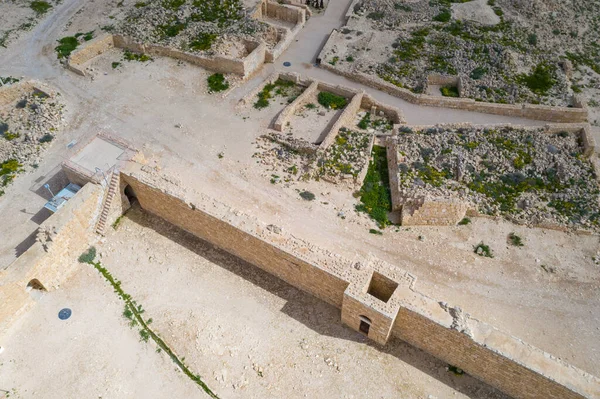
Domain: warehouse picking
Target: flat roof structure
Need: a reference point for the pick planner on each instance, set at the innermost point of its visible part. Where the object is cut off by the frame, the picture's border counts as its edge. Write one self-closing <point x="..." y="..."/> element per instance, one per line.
<point x="99" y="153"/>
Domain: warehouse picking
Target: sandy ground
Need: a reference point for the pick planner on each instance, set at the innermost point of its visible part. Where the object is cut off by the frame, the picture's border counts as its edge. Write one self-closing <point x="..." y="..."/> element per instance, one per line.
<point x="143" y="103"/>
<point x="93" y="354"/>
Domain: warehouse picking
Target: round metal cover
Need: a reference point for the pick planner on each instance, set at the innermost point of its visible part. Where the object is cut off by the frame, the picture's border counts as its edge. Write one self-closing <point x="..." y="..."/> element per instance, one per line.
<point x="64" y="314"/>
<point x="287" y="64"/>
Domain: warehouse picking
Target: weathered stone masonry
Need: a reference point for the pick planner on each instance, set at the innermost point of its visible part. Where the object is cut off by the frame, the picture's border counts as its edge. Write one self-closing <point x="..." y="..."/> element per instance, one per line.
<point x="375" y="297"/>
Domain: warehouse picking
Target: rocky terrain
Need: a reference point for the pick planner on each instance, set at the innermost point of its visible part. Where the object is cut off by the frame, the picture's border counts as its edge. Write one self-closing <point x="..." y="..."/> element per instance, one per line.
<point x="505" y="51"/>
<point x="18" y="16"/>
<point x="197" y="26"/>
<point x="26" y="129"/>
<point x="528" y="176"/>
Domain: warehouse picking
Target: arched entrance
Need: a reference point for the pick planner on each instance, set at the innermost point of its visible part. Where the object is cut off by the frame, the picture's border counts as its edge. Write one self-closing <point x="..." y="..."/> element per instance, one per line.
<point x="365" y="325"/>
<point x="130" y="194"/>
<point x="35" y="285"/>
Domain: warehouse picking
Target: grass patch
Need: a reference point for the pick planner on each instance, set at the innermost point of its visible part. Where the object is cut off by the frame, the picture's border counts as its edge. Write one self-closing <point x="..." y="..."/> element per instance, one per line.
<point x="40" y="7"/>
<point x="483" y="250"/>
<point x="217" y="82"/>
<point x="376" y="232"/>
<point x="449" y="91"/>
<point x="464" y="222"/>
<point x="11" y="136"/>
<point x="332" y="101"/>
<point x="130" y="56"/>
<point x="9" y="170"/>
<point x="281" y="88"/>
<point x="375" y="196"/>
<point x="133" y="311"/>
<point x="203" y="41"/>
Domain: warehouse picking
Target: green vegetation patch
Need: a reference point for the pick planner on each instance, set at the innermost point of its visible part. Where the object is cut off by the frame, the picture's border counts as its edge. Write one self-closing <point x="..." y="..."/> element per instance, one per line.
<point x="283" y="88"/>
<point x="203" y="41"/>
<point x="9" y="170"/>
<point x="449" y="91"/>
<point x="375" y="195"/>
<point x="40" y="7"/>
<point x="131" y="56"/>
<point x="66" y="46"/>
<point x="484" y="250"/>
<point x="331" y="101"/>
<point x="541" y="79"/>
<point x="217" y="82"/>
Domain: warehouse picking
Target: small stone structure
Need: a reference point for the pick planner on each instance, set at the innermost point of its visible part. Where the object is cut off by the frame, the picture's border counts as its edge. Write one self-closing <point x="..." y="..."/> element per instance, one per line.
<point x="577" y="114"/>
<point x="243" y="67"/>
<point x="358" y="100"/>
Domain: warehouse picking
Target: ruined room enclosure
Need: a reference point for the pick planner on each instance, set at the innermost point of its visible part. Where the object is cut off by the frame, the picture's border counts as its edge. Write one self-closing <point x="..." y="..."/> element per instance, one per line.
<point x="221" y="331"/>
<point x="540" y="176"/>
<point x="326" y="132"/>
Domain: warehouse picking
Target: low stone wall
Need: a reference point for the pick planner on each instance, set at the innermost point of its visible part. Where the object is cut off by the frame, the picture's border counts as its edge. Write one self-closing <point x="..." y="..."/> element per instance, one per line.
<point x="288" y="111"/>
<point x="359" y="288"/>
<point x="392" y="113"/>
<point x="244" y="67"/>
<point x="577" y="114"/>
<point x="346" y="118"/>
<point x="91" y="49"/>
<point x="392" y="160"/>
<point x="53" y="258"/>
<point x="424" y="212"/>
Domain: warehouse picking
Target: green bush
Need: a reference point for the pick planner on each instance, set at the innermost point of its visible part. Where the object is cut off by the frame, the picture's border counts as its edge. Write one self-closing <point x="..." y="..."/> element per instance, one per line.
<point x="483" y="250"/>
<point x="9" y="170"/>
<point x="217" y="82"/>
<point x="66" y="46"/>
<point x="40" y="7"/>
<point x="46" y="138"/>
<point x="365" y="121"/>
<point x="332" y="101"/>
<point x="443" y="16"/>
<point x="376" y="232"/>
<point x="450" y="91"/>
<point x="464" y="221"/>
<point x="478" y="73"/>
<point x="265" y="94"/>
<point x="540" y="80"/>
<point x="515" y="240"/>
<point x="88" y="256"/>
<point x="307" y="195"/>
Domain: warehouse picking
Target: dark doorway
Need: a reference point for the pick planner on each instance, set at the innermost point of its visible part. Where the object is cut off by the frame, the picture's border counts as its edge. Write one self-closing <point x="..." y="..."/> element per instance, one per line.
<point x="365" y="325"/>
<point x="35" y="285"/>
<point x="130" y="194"/>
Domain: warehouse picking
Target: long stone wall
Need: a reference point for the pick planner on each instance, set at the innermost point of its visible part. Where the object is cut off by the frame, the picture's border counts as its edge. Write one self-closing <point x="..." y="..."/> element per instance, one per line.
<point x="577" y="114"/>
<point x="52" y="259"/>
<point x="244" y="67"/>
<point x="370" y="291"/>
